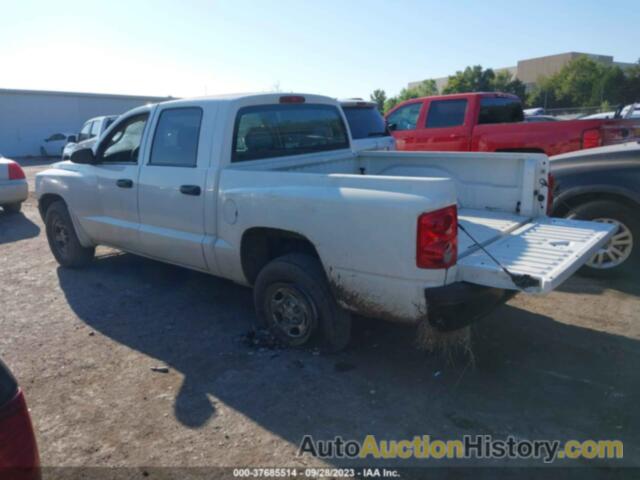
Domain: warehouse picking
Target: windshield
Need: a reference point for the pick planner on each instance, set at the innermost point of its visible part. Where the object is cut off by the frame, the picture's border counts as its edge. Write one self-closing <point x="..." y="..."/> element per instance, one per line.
<point x="365" y="122"/>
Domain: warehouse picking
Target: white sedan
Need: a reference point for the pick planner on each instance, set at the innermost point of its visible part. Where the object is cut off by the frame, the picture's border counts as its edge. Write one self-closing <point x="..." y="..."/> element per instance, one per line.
<point x="13" y="186"/>
<point x="53" y="145"/>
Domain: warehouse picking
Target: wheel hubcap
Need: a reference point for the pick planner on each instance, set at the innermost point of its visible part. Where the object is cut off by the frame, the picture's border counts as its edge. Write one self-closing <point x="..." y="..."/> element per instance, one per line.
<point x="60" y="236"/>
<point x="291" y="312"/>
<point x="617" y="250"/>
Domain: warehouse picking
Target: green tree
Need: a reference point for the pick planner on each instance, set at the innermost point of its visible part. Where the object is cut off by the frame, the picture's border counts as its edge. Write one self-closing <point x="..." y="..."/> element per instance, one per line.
<point x="504" y="81"/>
<point x="471" y="79"/>
<point x="426" y="88"/>
<point x="380" y="97"/>
<point x="586" y="83"/>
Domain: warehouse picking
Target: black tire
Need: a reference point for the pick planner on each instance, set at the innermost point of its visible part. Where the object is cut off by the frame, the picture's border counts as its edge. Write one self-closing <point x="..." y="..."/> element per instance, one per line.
<point x="12" y="208"/>
<point x="63" y="240"/>
<point x="608" y="209"/>
<point x="300" y="280"/>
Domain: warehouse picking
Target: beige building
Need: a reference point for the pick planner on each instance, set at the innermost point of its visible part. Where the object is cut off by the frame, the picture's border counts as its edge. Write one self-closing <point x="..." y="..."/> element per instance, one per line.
<point x="530" y="70"/>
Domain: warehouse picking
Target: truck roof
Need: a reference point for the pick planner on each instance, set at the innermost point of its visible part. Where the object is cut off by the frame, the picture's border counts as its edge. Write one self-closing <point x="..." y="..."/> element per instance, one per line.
<point x="454" y="96"/>
<point x="257" y="98"/>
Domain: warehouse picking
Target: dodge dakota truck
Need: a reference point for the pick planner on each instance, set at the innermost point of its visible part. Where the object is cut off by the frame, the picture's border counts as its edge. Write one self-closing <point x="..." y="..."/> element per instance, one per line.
<point x="266" y="190"/>
<point x="494" y="122"/>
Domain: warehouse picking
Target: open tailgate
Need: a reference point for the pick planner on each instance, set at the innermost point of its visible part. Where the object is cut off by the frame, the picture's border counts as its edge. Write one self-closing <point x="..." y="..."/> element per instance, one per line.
<point x="549" y="250"/>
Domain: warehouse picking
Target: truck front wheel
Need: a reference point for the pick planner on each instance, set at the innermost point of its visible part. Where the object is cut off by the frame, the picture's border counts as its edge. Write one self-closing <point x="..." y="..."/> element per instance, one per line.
<point x="294" y="301"/>
<point x="62" y="238"/>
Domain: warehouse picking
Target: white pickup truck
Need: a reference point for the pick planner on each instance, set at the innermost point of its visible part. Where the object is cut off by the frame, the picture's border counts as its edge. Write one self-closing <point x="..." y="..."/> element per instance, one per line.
<point x="265" y="190"/>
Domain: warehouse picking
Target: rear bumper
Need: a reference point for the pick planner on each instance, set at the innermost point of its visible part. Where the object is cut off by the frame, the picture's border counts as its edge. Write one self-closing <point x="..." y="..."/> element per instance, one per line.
<point x="13" y="191"/>
<point x="460" y="304"/>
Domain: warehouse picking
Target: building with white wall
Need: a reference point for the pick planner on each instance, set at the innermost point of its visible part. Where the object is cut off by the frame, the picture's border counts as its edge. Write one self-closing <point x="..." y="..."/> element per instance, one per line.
<point x="27" y="117"/>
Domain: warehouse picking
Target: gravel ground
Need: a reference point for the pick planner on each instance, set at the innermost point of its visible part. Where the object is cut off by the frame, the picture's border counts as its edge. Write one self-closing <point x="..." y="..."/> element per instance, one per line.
<point x="83" y="344"/>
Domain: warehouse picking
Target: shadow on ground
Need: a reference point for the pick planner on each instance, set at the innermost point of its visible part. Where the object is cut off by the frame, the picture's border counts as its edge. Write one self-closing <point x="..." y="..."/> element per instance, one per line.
<point x="15" y="226"/>
<point x="623" y="282"/>
<point x="534" y="377"/>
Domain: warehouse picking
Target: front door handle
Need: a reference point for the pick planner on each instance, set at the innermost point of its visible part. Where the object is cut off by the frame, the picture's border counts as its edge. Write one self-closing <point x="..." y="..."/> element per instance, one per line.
<point x="190" y="190"/>
<point x="124" y="183"/>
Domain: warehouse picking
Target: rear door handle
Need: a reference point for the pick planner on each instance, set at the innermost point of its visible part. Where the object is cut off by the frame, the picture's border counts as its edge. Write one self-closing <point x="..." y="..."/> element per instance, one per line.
<point x="124" y="183"/>
<point x="190" y="190"/>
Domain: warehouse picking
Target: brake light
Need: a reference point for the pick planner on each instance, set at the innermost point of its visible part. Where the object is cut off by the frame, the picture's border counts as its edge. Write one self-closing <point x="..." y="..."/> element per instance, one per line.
<point x="292" y="99"/>
<point x="591" y="138"/>
<point x="437" y="243"/>
<point x="551" y="185"/>
<point x="18" y="449"/>
<point x="15" y="171"/>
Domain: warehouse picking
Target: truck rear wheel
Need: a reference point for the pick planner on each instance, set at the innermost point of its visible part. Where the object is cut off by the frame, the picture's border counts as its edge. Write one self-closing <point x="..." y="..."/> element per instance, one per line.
<point x="62" y="238"/>
<point x="294" y="301"/>
<point x="621" y="252"/>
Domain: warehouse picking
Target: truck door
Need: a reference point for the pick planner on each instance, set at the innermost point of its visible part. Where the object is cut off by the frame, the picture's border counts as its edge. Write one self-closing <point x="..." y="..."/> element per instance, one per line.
<point x="444" y="126"/>
<point x="116" y="221"/>
<point x="172" y="188"/>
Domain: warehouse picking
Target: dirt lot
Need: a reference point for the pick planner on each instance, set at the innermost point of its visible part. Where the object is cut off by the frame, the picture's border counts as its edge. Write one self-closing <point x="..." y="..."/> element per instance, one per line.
<point x="82" y="343"/>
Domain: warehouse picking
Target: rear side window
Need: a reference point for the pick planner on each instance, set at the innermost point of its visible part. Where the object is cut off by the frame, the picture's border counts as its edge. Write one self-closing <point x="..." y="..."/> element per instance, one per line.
<point x="175" y="142"/>
<point x="365" y="122"/>
<point x="446" y="113"/>
<point x="405" y="118"/>
<point x="268" y="131"/>
<point x="500" y="110"/>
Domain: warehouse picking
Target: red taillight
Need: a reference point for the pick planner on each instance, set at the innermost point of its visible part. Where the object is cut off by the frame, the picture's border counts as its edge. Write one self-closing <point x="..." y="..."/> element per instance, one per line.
<point x="551" y="185"/>
<point x="437" y="244"/>
<point x="292" y="99"/>
<point x="591" y="138"/>
<point x="18" y="449"/>
<point x="15" y="171"/>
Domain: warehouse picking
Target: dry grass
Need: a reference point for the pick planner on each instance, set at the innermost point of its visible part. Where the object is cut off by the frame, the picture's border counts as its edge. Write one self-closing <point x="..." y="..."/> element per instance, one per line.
<point x="453" y="346"/>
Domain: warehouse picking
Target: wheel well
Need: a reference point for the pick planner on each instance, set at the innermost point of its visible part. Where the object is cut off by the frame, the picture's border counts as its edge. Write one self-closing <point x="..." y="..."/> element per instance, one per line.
<point x="520" y="150"/>
<point x="567" y="204"/>
<point x="45" y="202"/>
<point x="261" y="245"/>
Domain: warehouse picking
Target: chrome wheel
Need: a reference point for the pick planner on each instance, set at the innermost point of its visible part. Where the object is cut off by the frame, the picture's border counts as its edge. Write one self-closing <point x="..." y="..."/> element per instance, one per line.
<point x="617" y="250"/>
<point x="291" y="312"/>
<point x="61" y="236"/>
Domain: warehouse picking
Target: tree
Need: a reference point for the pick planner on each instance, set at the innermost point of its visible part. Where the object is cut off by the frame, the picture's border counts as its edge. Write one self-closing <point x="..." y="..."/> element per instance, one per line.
<point x="471" y="79"/>
<point x="426" y="88"/>
<point x="379" y="96"/>
<point x="586" y="83"/>
<point x="506" y="83"/>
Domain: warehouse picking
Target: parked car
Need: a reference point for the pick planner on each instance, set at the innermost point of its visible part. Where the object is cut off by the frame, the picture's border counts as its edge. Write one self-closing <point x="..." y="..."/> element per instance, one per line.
<point x="53" y="145"/>
<point x="19" y="459"/>
<point x="90" y="132"/>
<point x="533" y="112"/>
<point x="13" y="186"/>
<point x="265" y="190"/>
<point x="603" y="184"/>
<point x="631" y="111"/>
<point x="540" y="118"/>
<point x="367" y="125"/>
<point x="493" y="122"/>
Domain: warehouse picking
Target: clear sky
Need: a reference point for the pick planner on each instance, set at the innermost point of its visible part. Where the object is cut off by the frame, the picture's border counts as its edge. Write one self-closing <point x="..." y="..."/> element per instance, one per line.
<point x="338" y="48"/>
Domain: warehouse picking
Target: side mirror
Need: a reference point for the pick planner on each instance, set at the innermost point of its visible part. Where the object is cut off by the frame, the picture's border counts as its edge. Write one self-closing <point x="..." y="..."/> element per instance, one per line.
<point x="392" y="127"/>
<point x="71" y="139"/>
<point x="83" y="155"/>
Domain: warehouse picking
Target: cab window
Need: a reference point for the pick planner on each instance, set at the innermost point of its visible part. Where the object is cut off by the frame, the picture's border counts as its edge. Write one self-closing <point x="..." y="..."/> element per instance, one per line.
<point x="122" y="145"/>
<point x="404" y="118"/>
<point x="446" y="113"/>
<point x="268" y="131"/>
<point x="175" y="142"/>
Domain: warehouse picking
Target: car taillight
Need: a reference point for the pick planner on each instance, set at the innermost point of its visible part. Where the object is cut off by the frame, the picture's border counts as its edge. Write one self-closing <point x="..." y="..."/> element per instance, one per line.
<point x="591" y="138"/>
<point x="437" y="243"/>
<point x="18" y="449"/>
<point x="15" y="171"/>
<point x="551" y="185"/>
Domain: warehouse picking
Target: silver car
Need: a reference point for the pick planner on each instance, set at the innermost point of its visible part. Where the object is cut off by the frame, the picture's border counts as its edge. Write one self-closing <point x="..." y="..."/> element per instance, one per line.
<point x="13" y="186"/>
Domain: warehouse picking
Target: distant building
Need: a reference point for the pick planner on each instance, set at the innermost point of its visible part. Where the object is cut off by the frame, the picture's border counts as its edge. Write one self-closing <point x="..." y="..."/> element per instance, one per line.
<point x="27" y="117"/>
<point x="530" y="70"/>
